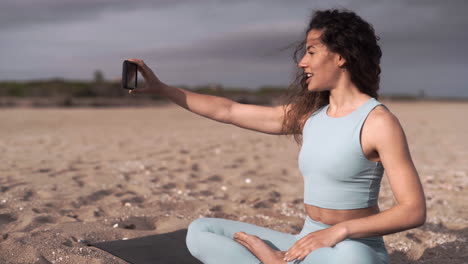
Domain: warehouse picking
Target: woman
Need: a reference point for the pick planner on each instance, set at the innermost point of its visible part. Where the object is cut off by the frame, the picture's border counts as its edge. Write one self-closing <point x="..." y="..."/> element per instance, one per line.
<point x="348" y="136"/>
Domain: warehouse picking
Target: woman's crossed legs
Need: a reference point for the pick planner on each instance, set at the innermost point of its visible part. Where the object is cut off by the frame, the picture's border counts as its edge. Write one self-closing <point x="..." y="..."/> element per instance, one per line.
<point x="211" y="240"/>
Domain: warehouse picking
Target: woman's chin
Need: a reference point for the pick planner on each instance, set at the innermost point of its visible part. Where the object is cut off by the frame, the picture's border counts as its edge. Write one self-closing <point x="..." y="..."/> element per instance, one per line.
<point x="312" y="88"/>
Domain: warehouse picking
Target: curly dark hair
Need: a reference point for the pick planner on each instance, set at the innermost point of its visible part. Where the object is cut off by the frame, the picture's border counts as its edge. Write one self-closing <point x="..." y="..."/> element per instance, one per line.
<point x="347" y="34"/>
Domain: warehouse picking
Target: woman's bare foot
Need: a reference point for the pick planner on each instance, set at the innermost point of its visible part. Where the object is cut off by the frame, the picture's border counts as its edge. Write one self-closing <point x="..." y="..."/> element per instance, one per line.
<point x="260" y="249"/>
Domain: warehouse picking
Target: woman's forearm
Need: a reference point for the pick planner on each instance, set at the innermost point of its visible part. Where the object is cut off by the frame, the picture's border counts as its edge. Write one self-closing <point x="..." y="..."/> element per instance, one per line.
<point x="393" y="220"/>
<point x="210" y="106"/>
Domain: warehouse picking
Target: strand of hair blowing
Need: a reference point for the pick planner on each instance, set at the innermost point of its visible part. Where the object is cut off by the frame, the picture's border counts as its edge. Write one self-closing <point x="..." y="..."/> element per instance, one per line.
<point x="345" y="33"/>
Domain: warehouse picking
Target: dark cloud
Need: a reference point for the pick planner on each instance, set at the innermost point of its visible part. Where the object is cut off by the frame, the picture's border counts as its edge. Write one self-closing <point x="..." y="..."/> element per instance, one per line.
<point x="250" y="45"/>
<point x="423" y="41"/>
<point x="14" y="13"/>
<point x="249" y="58"/>
<point x="440" y="38"/>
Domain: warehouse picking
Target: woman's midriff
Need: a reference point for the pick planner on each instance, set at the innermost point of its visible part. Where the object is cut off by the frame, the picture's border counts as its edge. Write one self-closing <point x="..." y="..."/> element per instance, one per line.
<point x="333" y="217"/>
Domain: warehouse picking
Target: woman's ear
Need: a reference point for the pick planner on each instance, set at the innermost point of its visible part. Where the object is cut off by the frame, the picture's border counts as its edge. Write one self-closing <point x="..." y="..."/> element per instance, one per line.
<point x="340" y="62"/>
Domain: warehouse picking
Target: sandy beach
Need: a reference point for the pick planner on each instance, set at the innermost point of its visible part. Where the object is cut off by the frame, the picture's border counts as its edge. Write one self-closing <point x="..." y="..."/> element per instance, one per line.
<point x="79" y="175"/>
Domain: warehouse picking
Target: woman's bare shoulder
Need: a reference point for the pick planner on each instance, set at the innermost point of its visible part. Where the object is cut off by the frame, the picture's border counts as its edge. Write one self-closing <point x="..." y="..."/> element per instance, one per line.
<point x="381" y="121"/>
<point x="381" y="114"/>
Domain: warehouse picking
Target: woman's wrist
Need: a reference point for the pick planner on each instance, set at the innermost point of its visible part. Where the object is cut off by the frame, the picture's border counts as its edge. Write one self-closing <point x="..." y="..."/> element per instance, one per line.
<point x="159" y="88"/>
<point x="342" y="230"/>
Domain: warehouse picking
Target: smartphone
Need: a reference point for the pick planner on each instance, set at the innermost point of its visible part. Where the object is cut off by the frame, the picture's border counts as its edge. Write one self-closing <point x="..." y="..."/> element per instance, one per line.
<point x="129" y="75"/>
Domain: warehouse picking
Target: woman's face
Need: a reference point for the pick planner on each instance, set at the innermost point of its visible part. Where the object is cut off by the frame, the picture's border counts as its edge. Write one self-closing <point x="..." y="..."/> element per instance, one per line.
<point x="322" y="64"/>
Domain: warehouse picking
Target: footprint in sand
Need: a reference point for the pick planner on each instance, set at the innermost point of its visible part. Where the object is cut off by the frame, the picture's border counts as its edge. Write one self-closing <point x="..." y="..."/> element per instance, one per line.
<point x="5" y="188"/>
<point x="78" y="181"/>
<point x="216" y="208"/>
<point x="120" y="194"/>
<point x="59" y="172"/>
<point x="413" y="237"/>
<point x="239" y="160"/>
<point x="179" y="170"/>
<point x="50" y="205"/>
<point x="133" y="200"/>
<point x="44" y="219"/>
<point x="39" y="221"/>
<point x="207" y="193"/>
<point x="274" y="196"/>
<point x="69" y="213"/>
<point x="41" y="211"/>
<point x="28" y="195"/>
<point x="237" y="163"/>
<point x="249" y="173"/>
<point x="262" y="204"/>
<point x="44" y="170"/>
<point x="169" y="186"/>
<point x="96" y="196"/>
<point x="190" y="185"/>
<point x="214" y="178"/>
<point x="136" y="223"/>
<point x="6" y="219"/>
<point x="195" y="167"/>
<point x="126" y="176"/>
<point x="297" y="201"/>
<point x="67" y="243"/>
<point x="184" y="151"/>
<point x="154" y="180"/>
<point x="98" y="212"/>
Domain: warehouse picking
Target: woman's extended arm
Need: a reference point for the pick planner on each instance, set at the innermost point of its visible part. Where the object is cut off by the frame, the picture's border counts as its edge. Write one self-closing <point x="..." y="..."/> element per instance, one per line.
<point x="263" y="119"/>
<point x="387" y="135"/>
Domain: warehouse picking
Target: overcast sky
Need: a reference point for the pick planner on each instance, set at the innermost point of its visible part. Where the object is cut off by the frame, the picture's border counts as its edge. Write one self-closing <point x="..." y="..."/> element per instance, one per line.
<point x="234" y="43"/>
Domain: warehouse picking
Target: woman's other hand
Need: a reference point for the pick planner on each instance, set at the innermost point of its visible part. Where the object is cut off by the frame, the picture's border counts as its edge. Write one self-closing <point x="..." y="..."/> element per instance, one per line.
<point x="152" y="84"/>
<point x="328" y="237"/>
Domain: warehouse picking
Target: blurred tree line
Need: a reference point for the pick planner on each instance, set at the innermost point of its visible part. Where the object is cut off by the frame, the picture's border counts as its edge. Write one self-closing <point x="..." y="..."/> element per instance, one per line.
<point x="63" y="92"/>
<point x="61" y="87"/>
<point x="102" y="92"/>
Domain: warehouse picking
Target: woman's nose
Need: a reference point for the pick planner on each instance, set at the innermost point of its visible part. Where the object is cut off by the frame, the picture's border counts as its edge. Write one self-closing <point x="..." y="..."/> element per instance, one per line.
<point x="302" y="63"/>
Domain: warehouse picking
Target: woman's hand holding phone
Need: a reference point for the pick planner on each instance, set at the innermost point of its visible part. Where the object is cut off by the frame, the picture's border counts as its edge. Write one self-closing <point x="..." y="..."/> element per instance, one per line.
<point x="152" y="84"/>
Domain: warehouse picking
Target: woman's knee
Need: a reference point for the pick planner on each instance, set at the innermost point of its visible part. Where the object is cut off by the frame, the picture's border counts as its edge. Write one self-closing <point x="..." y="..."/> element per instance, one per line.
<point x="202" y="224"/>
<point x="195" y="230"/>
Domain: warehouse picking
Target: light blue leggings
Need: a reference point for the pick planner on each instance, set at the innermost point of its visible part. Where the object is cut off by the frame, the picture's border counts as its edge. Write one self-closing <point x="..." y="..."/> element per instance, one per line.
<point x="210" y="240"/>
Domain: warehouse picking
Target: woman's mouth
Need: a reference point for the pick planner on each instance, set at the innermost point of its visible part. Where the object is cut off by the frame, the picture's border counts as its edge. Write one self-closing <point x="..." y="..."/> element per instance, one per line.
<point x="309" y="76"/>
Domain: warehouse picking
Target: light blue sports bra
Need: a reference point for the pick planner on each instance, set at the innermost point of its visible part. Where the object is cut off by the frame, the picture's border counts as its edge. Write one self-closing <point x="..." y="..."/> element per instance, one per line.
<point x="336" y="173"/>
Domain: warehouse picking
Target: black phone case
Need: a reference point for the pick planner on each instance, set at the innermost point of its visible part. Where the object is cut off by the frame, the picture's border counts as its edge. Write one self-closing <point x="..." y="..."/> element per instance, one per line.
<point x="124" y="74"/>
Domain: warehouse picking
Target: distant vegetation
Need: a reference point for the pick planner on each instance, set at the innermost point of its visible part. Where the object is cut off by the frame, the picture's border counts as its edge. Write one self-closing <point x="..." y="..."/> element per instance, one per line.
<point x="99" y="92"/>
<point x="60" y="92"/>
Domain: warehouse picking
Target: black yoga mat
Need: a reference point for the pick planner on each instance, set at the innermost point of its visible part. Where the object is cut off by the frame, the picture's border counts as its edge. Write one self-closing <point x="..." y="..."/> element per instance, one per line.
<point x="168" y="248"/>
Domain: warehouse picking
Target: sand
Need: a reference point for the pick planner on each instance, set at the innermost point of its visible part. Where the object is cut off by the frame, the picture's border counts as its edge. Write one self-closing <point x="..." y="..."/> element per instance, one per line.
<point x="73" y="176"/>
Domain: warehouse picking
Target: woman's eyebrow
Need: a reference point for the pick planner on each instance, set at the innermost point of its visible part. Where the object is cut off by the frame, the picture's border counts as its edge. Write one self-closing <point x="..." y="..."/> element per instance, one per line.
<point x="310" y="46"/>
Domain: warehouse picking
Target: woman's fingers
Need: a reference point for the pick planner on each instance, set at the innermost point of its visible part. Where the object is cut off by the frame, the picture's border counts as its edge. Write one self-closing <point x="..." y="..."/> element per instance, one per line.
<point x="296" y="250"/>
<point x="299" y="255"/>
<point x="147" y="73"/>
<point x="152" y="84"/>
